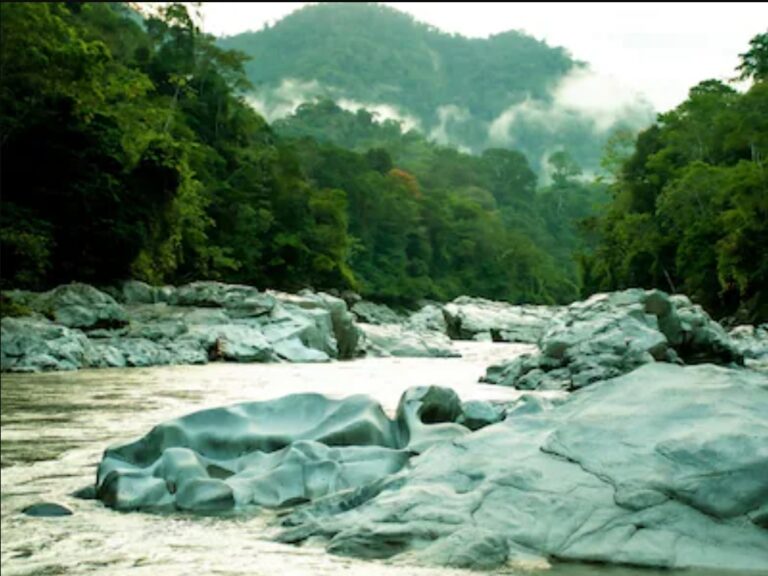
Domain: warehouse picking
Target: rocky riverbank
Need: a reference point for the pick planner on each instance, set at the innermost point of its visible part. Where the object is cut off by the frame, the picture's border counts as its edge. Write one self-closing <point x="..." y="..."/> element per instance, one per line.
<point x="654" y="452"/>
<point x="136" y="325"/>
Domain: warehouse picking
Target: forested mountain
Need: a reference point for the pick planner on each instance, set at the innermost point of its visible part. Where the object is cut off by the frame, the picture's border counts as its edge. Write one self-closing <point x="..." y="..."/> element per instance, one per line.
<point x="469" y="92"/>
<point x="128" y="151"/>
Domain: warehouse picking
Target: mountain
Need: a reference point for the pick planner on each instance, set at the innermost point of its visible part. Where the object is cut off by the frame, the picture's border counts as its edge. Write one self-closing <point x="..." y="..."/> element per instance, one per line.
<point x="508" y="90"/>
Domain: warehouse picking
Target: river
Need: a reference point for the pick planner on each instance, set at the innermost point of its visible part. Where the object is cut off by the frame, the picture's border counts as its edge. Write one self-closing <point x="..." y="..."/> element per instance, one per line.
<point x="56" y="425"/>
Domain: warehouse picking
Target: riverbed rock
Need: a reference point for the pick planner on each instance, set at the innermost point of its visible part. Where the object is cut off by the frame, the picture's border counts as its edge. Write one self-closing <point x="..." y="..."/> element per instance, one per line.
<point x="476" y="414"/>
<point x="345" y="332"/>
<point x="428" y="317"/>
<point x="294" y="350"/>
<point x="140" y="352"/>
<point x="666" y="466"/>
<point x="752" y="342"/>
<point x="611" y="334"/>
<point x="81" y="306"/>
<point x="35" y="345"/>
<point x="266" y="453"/>
<point x="47" y="510"/>
<point x="104" y="355"/>
<point x="372" y="313"/>
<point x="398" y="340"/>
<point x="136" y="292"/>
<point x="480" y="319"/>
<point x="275" y="453"/>
<point x="238" y="300"/>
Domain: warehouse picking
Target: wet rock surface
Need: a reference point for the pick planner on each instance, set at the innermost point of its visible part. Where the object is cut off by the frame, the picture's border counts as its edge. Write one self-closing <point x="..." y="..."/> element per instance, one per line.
<point x="77" y="326"/>
<point x="277" y="453"/>
<point x="666" y="466"/>
<point x="612" y="334"/>
<point x="479" y="319"/>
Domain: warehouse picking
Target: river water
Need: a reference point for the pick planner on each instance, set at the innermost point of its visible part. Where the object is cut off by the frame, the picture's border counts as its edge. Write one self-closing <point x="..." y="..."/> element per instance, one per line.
<point x="55" y="426"/>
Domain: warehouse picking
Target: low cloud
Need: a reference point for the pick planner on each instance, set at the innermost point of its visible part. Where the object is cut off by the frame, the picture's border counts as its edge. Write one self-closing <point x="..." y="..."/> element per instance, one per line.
<point x="382" y="112"/>
<point x="282" y="101"/>
<point x="582" y="97"/>
<point x="448" y="116"/>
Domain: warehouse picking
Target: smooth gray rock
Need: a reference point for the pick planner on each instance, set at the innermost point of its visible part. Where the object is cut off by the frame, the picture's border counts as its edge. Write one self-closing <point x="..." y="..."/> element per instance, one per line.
<point x="205" y="321"/>
<point x="163" y="330"/>
<point x="611" y="334"/>
<point x="372" y="313"/>
<point x="666" y="466"/>
<point x="81" y="306"/>
<point x="398" y="340"/>
<point x="427" y="415"/>
<point x="276" y="453"/>
<point x="135" y="292"/>
<point x="104" y="355"/>
<point x="140" y="352"/>
<point x="479" y="319"/>
<point x="477" y="414"/>
<point x="234" y="342"/>
<point x="239" y="301"/>
<point x="186" y="351"/>
<point x="34" y="345"/>
<point x="752" y="342"/>
<point x="428" y="317"/>
<point x="294" y="350"/>
<point x="311" y="325"/>
<point x="267" y="453"/>
<point x="345" y="332"/>
<point x="47" y="510"/>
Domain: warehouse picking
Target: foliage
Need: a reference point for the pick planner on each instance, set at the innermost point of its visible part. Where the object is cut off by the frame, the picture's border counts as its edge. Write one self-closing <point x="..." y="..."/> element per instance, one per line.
<point x="690" y="205"/>
<point x="472" y="93"/>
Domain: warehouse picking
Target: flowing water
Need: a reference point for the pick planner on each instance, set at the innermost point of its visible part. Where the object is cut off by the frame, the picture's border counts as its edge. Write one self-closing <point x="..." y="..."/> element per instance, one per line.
<point x="55" y="427"/>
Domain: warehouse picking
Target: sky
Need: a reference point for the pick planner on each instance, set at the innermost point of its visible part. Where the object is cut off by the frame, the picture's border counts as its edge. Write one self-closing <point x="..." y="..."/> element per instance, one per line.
<point x="659" y="49"/>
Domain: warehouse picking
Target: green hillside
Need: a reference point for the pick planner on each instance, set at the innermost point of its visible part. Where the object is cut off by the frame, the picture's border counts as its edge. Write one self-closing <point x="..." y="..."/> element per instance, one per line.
<point x="454" y="89"/>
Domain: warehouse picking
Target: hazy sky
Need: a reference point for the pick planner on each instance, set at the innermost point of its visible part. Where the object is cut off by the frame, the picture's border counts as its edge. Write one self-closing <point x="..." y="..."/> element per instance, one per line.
<point x="659" y="49"/>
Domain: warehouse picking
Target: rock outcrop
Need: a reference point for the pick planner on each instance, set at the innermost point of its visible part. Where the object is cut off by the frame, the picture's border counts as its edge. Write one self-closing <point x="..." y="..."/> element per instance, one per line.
<point x="33" y="344"/>
<point x="666" y="466"/>
<point x="77" y="326"/>
<point x="372" y="313"/>
<point x="611" y="334"/>
<point x="276" y="453"/>
<point x="752" y="342"/>
<point x="399" y="340"/>
<point x="479" y="319"/>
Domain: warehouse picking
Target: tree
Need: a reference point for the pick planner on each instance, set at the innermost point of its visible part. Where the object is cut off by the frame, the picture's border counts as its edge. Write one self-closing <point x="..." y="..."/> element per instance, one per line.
<point x="754" y="62"/>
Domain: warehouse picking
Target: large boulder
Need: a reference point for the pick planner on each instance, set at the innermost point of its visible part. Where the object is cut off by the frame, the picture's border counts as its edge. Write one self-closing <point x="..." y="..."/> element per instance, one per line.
<point x="612" y="334"/>
<point x="268" y="453"/>
<point x="372" y="313"/>
<point x="276" y="453"/>
<point x="752" y="342"/>
<point x="666" y="466"/>
<point x="35" y="344"/>
<point x="235" y="342"/>
<point x="239" y="301"/>
<point x="398" y="340"/>
<point x="428" y="317"/>
<point x="345" y="332"/>
<point x="81" y="306"/>
<point x="479" y="319"/>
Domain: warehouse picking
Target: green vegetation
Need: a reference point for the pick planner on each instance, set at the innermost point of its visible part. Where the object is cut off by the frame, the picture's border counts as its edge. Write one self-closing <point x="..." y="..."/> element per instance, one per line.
<point x="690" y="206"/>
<point x="455" y="89"/>
<point x="128" y="151"/>
<point x="429" y="220"/>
